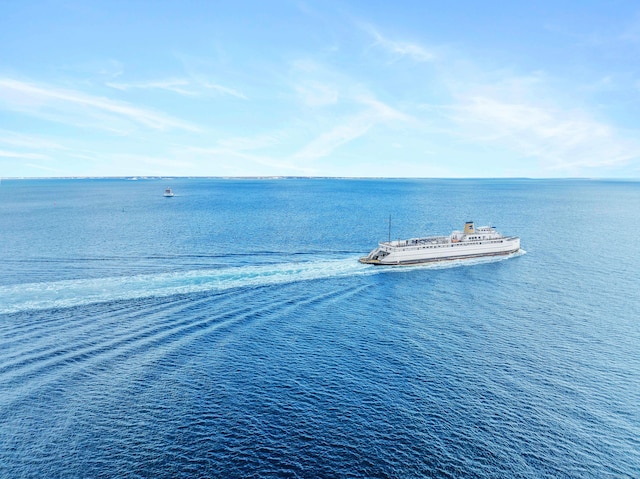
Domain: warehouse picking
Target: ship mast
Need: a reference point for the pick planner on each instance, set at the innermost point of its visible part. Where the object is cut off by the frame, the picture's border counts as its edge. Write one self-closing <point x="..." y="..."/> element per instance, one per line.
<point x="389" y="228"/>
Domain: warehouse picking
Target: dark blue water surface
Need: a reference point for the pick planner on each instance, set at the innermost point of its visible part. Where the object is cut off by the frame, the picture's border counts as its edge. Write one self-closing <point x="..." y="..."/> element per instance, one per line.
<point x="230" y="332"/>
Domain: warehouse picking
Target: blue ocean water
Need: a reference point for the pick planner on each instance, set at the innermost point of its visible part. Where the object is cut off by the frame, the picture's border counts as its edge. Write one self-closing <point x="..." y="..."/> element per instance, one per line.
<point x="230" y="332"/>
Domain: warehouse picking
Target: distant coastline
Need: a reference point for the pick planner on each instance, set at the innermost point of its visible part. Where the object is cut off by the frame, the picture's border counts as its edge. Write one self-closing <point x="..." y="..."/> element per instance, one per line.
<point x="142" y="178"/>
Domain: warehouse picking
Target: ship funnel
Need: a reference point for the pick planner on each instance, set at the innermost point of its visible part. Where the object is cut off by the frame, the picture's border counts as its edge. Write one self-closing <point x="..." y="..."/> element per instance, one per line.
<point x="468" y="228"/>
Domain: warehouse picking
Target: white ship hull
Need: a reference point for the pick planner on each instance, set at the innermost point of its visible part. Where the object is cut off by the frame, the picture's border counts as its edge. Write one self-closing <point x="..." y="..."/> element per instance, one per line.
<point x="484" y="241"/>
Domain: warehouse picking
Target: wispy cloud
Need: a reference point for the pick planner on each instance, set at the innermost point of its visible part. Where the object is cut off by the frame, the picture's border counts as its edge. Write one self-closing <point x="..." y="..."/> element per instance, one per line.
<point x="16" y="146"/>
<point x="316" y="93"/>
<point x="351" y="128"/>
<point x="19" y="140"/>
<point x="150" y="163"/>
<point x="559" y="139"/>
<point x="400" y="49"/>
<point x="345" y="109"/>
<point x="182" y="86"/>
<point x="172" y="85"/>
<point x="225" y="90"/>
<point x="70" y="106"/>
<point x="96" y="68"/>
<point x="223" y="155"/>
<point x="327" y="142"/>
<point x="22" y="155"/>
<point x="36" y="166"/>
<point x="250" y="143"/>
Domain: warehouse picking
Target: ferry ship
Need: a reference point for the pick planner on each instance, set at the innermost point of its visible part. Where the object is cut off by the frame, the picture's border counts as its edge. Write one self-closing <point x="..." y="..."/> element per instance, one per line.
<point x="472" y="242"/>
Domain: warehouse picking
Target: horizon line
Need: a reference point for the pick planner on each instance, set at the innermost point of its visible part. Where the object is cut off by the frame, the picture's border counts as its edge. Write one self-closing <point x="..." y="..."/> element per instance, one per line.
<point x="318" y="177"/>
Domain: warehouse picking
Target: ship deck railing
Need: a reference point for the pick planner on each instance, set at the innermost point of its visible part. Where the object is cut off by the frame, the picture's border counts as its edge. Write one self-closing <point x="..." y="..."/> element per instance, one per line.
<point x="441" y="241"/>
<point x="418" y="241"/>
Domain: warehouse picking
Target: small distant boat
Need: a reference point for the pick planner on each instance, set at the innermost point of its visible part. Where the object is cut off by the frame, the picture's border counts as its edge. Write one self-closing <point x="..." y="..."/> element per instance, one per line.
<point x="168" y="193"/>
<point x="471" y="243"/>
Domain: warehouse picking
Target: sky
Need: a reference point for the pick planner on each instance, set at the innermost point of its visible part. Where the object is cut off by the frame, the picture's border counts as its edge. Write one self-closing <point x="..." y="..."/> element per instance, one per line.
<point x="545" y="89"/>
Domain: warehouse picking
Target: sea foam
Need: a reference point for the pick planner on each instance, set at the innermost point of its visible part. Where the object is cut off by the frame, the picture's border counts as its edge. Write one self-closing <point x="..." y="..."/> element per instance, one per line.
<point x="72" y="293"/>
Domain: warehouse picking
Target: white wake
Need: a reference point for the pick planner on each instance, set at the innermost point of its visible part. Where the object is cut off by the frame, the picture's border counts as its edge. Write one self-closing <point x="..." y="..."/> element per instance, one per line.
<point x="70" y="293"/>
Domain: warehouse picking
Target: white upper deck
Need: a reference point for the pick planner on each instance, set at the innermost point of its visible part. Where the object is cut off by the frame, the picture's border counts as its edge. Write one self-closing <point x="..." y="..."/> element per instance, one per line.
<point x="469" y="234"/>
